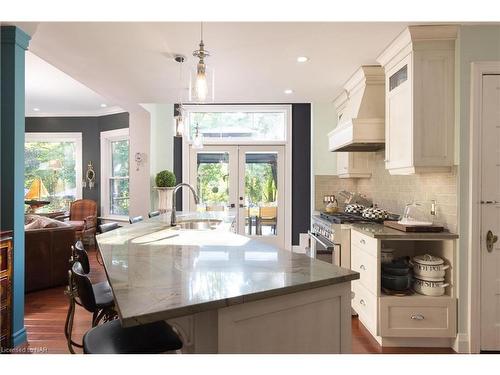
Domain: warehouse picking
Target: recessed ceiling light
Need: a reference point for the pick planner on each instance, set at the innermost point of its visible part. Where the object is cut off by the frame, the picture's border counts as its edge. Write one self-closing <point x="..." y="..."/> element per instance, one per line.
<point x="288" y="91"/>
<point x="302" y="59"/>
<point x="103" y="105"/>
<point x="36" y="109"/>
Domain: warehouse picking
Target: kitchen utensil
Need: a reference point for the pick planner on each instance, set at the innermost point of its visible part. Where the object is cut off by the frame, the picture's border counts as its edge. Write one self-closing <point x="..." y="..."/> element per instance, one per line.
<point x="395" y="282"/>
<point x="332" y="205"/>
<point x="354" y="208"/>
<point x="429" y="286"/>
<point x="396" y="268"/>
<point x="428" y="266"/>
<point x="374" y="213"/>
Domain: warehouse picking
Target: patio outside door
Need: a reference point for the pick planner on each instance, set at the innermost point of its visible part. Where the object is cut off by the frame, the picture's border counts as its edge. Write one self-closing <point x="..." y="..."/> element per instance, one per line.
<point x="248" y="179"/>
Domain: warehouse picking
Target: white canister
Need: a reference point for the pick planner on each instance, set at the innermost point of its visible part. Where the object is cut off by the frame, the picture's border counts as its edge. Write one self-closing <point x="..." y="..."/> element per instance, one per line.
<point x="428" y="266"/>
<point x="429" y="286"/>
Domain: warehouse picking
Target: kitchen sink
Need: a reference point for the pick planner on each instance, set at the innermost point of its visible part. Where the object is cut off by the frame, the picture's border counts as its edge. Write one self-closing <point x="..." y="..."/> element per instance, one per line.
<point x="197" y="224"/>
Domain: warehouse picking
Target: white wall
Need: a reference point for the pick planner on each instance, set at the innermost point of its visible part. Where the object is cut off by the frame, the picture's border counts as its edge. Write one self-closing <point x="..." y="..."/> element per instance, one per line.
<point x="476" y="43"/>
<point x="161" y="143"/>
<point x="139" y="128"/>
<point x="324" y="120"/>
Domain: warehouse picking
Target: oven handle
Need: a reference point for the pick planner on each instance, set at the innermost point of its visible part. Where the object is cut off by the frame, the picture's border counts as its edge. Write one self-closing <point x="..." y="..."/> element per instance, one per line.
<point x="330" y="246"/>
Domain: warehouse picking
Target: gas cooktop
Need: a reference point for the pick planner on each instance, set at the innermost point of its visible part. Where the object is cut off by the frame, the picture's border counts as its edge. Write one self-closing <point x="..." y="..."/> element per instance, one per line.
<point x="343" y="217"/>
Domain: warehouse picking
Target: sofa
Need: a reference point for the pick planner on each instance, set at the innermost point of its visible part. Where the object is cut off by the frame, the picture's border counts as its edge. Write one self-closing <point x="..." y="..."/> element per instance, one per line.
<point x="47" y="253"/>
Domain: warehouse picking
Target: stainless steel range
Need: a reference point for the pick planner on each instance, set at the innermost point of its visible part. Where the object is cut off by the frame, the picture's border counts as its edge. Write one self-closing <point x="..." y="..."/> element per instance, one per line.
<point x="330" y="237"/>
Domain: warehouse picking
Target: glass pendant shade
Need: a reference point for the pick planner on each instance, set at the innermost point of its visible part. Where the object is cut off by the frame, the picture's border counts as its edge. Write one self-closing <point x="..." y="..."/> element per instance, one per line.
<point x="197" y="141"/>
<point x="201" y="84"/>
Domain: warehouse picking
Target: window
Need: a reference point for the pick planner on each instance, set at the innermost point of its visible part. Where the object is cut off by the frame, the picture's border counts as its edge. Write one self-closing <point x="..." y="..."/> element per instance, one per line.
<point x="53" y="169"/>
<point x="115" y="173"/>
<point x="228" y="123"/>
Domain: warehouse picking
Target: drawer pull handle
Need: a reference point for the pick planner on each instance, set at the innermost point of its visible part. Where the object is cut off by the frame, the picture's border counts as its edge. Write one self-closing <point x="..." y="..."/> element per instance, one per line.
<point x="362" y="267"/>
<point x="417" y="317"/>
<point x="362" y="302"/>
<point x="362" y="242"/>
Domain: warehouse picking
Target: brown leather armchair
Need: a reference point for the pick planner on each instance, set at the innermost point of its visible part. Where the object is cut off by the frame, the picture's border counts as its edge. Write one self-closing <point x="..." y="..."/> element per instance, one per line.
<point x="83" y="216"/>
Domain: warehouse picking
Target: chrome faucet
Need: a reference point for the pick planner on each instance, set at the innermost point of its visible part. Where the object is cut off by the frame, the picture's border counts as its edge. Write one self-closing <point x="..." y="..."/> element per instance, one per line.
<point x="173" y="218"/>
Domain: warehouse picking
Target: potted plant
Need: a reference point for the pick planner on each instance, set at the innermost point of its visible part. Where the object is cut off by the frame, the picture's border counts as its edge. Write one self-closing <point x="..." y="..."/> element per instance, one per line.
<point x="165" y="183"/>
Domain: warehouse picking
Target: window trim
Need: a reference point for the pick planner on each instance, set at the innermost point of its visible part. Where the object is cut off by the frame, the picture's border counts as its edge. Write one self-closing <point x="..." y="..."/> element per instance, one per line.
<point x="106" y="138"/>
<point x="75" y="137"/>
<point x="256" y="108"/>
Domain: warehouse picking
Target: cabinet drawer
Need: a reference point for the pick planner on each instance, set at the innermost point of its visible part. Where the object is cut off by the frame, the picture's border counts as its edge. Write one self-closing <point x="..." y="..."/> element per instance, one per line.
<point x="365" y="243"/>
<point x="418" y="317"/>
<point x="4" y="282"/>
<point x="367" y="267"/>
<point x="365" y="304"/>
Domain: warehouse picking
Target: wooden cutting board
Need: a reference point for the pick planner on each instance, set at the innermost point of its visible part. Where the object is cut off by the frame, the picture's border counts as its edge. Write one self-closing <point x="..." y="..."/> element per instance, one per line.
<point x="413" y="228"/>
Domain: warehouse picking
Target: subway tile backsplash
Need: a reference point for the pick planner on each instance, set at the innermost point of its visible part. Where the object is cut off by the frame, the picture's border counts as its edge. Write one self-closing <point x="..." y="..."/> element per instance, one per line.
<point x="394" y="192"/>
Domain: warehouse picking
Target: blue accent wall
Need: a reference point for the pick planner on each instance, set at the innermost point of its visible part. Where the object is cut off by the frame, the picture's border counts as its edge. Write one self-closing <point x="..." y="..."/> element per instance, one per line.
<point x="14" y="43"/>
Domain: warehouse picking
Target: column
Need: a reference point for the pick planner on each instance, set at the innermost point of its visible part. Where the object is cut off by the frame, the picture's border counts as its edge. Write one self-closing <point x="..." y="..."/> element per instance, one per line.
<point x="14" y="43"/>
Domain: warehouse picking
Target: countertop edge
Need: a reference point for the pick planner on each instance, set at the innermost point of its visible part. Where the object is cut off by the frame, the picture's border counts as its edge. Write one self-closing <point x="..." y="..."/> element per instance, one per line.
<point x="395" y="234"/>
<point x="237" y="300"/>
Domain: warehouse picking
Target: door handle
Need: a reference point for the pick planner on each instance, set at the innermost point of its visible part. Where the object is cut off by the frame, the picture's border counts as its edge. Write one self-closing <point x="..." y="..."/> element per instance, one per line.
<point x="242" y="205"/>
<point x="232" y="205"/>
<point x="491" y="239"/>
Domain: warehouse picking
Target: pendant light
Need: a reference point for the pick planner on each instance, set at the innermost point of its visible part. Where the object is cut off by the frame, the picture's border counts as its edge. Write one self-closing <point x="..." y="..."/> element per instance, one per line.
<point x="201" y="83"/>
<point x="197" y="138"/>
<point x="179" y="118"/>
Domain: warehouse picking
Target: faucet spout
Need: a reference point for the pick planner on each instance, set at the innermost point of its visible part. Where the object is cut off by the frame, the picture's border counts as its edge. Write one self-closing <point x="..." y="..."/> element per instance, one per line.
<point x="173" y="218"/>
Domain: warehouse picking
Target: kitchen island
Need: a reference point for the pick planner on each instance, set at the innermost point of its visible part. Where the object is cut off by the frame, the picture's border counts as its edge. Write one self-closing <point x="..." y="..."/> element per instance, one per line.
<point x="223" y="292"/>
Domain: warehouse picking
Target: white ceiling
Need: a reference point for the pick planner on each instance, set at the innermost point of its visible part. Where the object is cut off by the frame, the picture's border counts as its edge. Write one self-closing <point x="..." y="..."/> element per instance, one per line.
<point x="55" y="93"/>
<point x="131" y="62"/>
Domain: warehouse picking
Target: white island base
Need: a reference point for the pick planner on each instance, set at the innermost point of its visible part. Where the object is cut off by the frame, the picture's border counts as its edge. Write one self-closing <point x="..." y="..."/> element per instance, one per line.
<point x="315" y="320"/>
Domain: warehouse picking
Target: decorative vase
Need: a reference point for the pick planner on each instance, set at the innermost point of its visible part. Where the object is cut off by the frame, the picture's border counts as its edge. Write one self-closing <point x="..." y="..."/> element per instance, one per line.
<point x="165" y="196"/>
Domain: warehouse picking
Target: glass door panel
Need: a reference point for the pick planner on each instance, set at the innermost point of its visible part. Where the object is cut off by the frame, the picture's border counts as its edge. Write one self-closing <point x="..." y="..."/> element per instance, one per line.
<point x="260" y="195"/>
<point x="214" y="177"/>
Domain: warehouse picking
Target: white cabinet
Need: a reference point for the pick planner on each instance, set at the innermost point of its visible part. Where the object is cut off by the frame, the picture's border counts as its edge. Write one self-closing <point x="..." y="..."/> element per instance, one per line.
<point x="353" y="164"/>
<point x="419" y="123"/>
<point x="406" y="320"/>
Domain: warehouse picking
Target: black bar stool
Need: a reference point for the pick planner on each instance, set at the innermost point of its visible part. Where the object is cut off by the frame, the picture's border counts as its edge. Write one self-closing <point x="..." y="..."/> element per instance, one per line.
<point x="112" y="338"/>
<point x="153" y="214"/>
<point x="135" y="219"/>
<point x="103" y="296"/>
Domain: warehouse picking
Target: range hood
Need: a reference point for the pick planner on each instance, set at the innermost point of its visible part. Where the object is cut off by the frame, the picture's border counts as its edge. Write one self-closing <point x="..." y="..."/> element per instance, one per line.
<point x="361" y="112"/>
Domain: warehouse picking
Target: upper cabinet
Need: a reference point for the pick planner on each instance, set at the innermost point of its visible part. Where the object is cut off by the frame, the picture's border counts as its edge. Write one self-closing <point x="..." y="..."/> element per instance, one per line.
<point x="419" y="100"/>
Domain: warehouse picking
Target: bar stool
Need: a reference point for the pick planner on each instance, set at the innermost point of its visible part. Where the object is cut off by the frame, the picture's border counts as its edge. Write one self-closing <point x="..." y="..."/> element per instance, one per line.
<point x="153" y="214"/>
<point x="103" y="296"/>
<point x="135" y="219"/>
<point x="112" y="338"/>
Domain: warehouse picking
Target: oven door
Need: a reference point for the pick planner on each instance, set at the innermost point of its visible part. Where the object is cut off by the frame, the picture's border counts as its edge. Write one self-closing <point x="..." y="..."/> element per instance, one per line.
<point x="321" y="248"/>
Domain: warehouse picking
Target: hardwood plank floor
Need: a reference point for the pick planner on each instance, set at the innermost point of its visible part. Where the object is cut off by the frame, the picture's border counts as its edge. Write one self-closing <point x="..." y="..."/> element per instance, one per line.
<point x="45" y="314"/>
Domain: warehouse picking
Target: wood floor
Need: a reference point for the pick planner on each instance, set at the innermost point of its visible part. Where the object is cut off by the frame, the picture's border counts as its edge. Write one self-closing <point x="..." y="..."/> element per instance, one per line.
<point x="45" y="314"/>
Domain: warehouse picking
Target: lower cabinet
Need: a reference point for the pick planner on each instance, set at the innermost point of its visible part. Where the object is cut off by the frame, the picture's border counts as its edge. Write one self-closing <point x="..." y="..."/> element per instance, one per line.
<point x="393" y="319"/>
<point x="417" y="316"/>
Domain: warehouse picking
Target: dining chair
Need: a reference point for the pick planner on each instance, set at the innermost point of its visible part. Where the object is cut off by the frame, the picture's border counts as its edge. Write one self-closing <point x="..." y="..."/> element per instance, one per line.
<point x="268" y="216"/>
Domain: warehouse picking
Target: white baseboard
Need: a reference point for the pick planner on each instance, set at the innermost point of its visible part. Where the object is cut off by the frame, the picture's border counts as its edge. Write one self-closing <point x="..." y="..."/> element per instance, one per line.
<point x="461" y="344"/>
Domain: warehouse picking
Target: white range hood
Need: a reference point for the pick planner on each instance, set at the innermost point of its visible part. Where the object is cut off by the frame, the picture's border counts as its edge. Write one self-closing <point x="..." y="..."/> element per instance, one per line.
<point x="361" y="112"/>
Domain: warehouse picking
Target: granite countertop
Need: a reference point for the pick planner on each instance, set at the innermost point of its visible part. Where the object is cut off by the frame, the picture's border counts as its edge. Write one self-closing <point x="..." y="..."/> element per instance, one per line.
<point x="158" y="272"/>
<point x="385" y="233"/>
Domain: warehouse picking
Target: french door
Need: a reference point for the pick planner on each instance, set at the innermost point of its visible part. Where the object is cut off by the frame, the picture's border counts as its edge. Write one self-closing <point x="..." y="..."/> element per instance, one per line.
<point x="247" y="179"/>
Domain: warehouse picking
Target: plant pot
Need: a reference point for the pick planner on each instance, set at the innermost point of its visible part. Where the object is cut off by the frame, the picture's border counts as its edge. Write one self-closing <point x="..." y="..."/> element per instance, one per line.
<point x="165" y="196"/>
